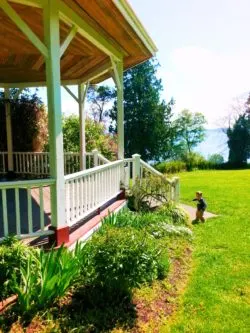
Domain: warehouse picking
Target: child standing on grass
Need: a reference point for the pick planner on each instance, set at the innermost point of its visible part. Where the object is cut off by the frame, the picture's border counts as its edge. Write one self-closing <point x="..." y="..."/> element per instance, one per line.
<point x="201" y="206"/>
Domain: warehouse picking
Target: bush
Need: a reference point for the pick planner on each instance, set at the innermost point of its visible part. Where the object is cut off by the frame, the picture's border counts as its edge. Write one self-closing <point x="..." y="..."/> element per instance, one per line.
<point x="148" y="192"/>
<point x="171" y="167"/>
<point x="51" y="276"/>
<point x="216" y="159"/>
<point x="13" y="256"/>
<point x="121" y="259"/>
<point x="174" y="213"/>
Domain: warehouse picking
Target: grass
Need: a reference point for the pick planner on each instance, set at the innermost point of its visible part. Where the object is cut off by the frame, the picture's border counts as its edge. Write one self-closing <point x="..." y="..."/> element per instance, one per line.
<point x="217" y="297"/>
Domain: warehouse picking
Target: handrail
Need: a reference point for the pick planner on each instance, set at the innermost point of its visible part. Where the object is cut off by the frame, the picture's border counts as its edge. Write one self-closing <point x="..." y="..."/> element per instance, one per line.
<point x="92" y="170"/>
<point x="103" y="158"/>
<point x="27" y="183"/>
<point x="151" y="169"/>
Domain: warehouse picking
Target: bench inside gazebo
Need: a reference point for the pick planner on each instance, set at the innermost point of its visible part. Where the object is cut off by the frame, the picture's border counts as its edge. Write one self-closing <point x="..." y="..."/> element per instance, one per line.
<point x="54" y="43"/>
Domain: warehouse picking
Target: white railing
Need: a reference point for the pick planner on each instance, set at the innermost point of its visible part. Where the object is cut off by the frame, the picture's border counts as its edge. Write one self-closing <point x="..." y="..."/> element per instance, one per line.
<point x="31" y="163"/>
<point x="24" y="208"/>
<point x="88" y="190"/>
<point x="37" y="163"/>
<point x="135" y="168"/>
<point x="3" y="162"/>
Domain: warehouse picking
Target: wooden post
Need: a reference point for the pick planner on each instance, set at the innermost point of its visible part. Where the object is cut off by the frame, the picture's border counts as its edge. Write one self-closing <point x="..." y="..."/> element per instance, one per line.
<point x="82" y="93"/>
<point x="52" y="40"/>
<point x="9" y="130"/>
<point x="95" y="157"/>
<point x="120" y="109"/>
<point x="136" y="167"/>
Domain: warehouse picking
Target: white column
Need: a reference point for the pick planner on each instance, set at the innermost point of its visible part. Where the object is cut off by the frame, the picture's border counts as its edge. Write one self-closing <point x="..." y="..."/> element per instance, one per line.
<point x="52" y="40"/>
<point x="120" y="111"/>
<point x="82" y="93"/>
<point x="9" y="130"/>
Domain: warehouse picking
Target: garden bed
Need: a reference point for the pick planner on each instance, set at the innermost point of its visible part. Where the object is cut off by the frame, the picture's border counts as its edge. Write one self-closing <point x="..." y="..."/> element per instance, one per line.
<point x="127" y="278"/>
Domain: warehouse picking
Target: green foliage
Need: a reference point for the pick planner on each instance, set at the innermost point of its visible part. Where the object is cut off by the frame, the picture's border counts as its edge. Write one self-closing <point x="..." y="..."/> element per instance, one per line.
<point x="29" y="122"/>
<point x="148" y="191"/>
<point x="99" y="97"/>
<point x="120" y="259"/>
<point x="13" y="257"/>
<point x="171" y="167"/>
<point x="96" y="137"/>
<point x="194" y="161"/>
<point x="175" y="213"/>
<point x="147" y="119"/>
<point x="239" y="140"/>
<point x="190" y="131"/>
<point x="216" y="159"/>
<point x="45" y="276"/>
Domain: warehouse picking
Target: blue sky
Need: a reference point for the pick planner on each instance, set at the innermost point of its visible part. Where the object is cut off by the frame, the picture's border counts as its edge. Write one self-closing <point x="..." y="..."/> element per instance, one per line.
<point x="204" y="52"/>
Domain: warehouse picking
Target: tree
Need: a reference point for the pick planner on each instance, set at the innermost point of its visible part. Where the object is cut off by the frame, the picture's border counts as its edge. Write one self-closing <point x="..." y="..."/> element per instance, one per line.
<point x="239" y="140"/>
<point x="29" y="122"/>
<point x="216" y="159"/>
<point x="147" y="119"/>
<point x="238" y="133"/>
<point x="190" y="130"/>
<point x="96" y="137"/>
<point x="99" y="97"/>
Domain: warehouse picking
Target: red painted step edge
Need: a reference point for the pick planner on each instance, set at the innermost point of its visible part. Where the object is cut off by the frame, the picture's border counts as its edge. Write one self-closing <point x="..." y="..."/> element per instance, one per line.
<point x="92" y="223"/>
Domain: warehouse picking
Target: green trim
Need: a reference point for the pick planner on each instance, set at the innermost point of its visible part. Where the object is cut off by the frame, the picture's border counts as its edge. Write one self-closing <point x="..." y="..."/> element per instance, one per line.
<point x="128" y="13"/>
<point x="68" y="15"/>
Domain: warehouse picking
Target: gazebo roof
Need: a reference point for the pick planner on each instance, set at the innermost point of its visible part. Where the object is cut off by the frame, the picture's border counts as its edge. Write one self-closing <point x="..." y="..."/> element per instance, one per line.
<point x="98" y="30"/>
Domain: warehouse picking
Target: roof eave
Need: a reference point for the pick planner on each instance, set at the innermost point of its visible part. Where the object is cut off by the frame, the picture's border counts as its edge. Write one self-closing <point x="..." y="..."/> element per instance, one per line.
<point x="126" y="10"/>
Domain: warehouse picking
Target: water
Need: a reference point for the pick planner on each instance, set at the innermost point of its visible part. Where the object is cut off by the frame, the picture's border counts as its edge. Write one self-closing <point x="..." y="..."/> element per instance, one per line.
<point x="215" y="143"/>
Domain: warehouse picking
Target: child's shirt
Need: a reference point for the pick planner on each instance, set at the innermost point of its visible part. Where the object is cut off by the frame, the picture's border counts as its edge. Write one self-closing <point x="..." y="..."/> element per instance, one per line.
<point x="201" y="204"/>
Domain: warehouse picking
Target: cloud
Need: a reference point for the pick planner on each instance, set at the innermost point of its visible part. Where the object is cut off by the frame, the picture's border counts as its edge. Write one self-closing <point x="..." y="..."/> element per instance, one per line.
<point x="207" y="81"/>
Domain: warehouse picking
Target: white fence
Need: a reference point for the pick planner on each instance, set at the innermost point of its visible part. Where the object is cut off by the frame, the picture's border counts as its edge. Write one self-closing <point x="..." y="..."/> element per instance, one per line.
<point x="88" y="190"/>
<point x="23" y="208"/>
<point x="37" y="164"/>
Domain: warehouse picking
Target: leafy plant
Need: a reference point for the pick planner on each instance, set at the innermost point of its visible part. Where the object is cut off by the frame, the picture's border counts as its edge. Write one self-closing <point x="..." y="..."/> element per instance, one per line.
<point x="171" y="167"/>
<point x="121" y="259"/>
<point x="53" y="275"/>
<point x="175" y="213"/>
<point x="149" y="192"/>
<point x="13" y="256"/>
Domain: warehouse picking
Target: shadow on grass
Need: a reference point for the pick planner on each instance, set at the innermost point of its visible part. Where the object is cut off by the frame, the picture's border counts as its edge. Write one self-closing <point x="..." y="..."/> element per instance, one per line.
<point x="87" y="309"/>
<point x="96" y="310"/>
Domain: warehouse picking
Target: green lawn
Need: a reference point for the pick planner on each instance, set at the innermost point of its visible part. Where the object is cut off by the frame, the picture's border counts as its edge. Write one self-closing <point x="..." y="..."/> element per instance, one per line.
<point x="217" y="297"/>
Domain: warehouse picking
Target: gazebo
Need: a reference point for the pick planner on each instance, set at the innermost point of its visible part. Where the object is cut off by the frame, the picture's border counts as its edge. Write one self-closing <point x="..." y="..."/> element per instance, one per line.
<point x="56" y="43"/>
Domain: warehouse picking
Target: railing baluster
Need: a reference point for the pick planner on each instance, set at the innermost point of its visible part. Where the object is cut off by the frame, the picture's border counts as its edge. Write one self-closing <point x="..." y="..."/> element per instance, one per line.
<point x="17" y="207"/>
<point x="41" y="207"/>
<point x="30" y="225"/>
<point x="5" y="213"/>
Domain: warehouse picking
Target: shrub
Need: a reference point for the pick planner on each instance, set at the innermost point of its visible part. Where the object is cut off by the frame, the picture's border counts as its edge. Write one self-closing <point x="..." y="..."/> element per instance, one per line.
<point x="121" y="259"/>
<point x="51" y="276"/>
<point x="216" y="159"/>
<point x="175" y="214"/>
<point x="13" y="256"/>
<point x="148" y="192"/>
<point x="171" y="167"/>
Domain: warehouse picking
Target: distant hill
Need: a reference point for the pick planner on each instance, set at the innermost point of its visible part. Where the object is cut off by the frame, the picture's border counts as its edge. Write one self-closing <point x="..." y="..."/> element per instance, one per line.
<point x="214" y="143"/>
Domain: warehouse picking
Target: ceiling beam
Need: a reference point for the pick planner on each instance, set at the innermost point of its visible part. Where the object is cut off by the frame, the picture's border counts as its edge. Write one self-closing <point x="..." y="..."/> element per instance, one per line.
<point x="64" y="46"/>
<point x="69" y="16"/>
<point x="31" y="3"/>
<point x="22" y="25"/>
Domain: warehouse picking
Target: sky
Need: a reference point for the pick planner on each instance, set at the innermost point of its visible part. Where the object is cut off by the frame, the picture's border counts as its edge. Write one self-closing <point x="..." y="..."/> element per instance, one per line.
<point x="204" y="53"/>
